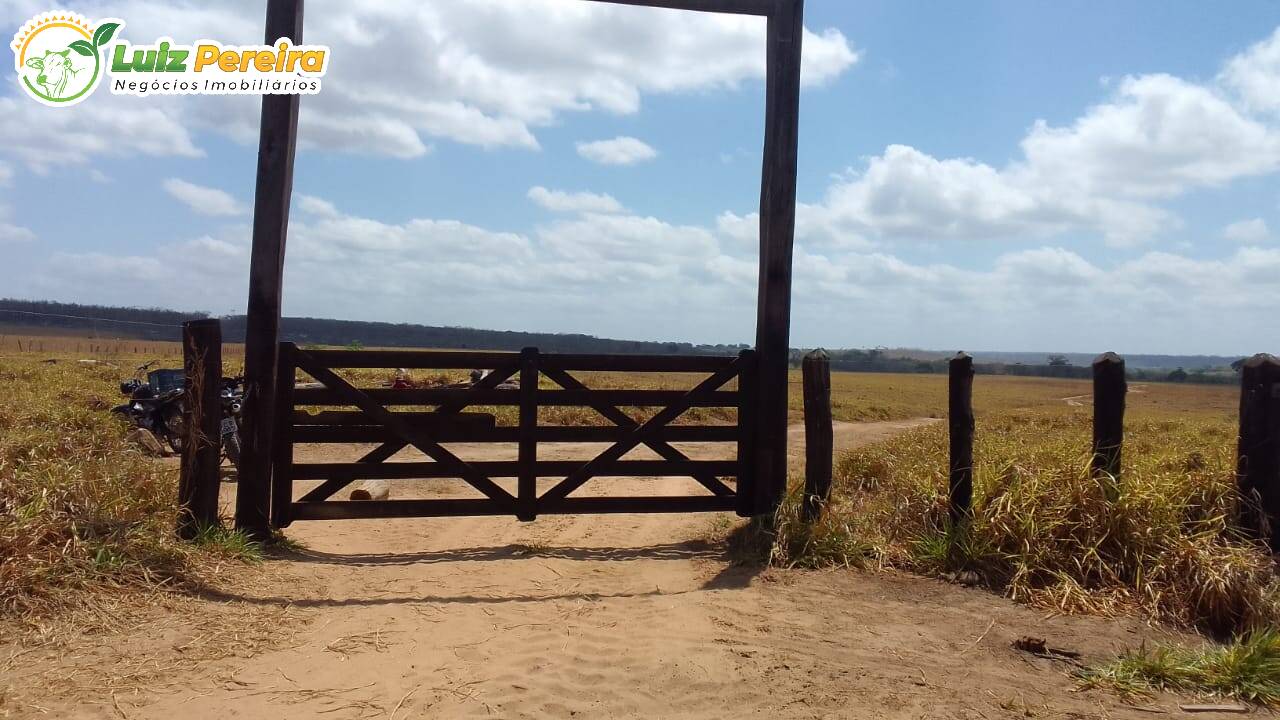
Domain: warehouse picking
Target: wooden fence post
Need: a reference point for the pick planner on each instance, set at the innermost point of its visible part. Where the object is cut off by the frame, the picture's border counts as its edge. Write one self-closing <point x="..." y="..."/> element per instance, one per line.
<point x="748" y="405"/>
<point x="527" y="452"/>
<point x="1109" y="388"/>
<point x="202" y="445"/>
<point x="784" y="31"/>
<point x="1258" y="454"/>
<point x="277" y="141"/>
<point x="960" y="422"/>
<point x="818" y="433"/>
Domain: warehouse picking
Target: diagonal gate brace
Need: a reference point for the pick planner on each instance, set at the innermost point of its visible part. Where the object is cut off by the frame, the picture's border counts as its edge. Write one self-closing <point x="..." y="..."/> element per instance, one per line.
<point x="640" y="434"/>
<point x="326" y="489"/>
<point x="621" y="419"/>
<point x="398" y="426"/>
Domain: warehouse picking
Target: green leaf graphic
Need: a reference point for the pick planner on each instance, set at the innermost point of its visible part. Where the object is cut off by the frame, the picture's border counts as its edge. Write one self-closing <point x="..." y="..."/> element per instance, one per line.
<point x="82" y="47"/>
<point x="103" y="34"/>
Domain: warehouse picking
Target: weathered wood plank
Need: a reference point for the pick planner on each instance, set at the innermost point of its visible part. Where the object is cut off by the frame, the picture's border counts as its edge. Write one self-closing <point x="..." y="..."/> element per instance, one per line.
<point x="960" y="426"/>
<point x="512" y="434"/>
<point x="510" y="469"/>
<point x="450" y="507"/>
<point x="202" y="443"/>
<point x="527" y="487"/>
<point x="748" y="402"/>
<point x="1109" y="388"/>
<point x="777" y="234"/>
<point x="1258" y="452"/>
<point x="413" y="359"/>
<point x="278" y="138"/>
<point x="819" y="433"/>
<point x="282" y="443"/>
<point x="739" y="7"/>
<point x="425" y="420"/>
<point x="562" y="398"/>
<point x="463" y="359"/>
<point x="634" y="363"/>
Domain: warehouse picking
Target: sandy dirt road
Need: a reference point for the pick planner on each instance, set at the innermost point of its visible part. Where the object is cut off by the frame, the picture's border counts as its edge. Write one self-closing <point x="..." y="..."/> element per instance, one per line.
<point x="622" y="616"/>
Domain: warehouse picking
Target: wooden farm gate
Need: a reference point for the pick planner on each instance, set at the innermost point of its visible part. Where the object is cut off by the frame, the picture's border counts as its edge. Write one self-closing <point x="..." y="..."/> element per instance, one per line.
<point x="513" y="381"/>
<point x="258" y="497"/>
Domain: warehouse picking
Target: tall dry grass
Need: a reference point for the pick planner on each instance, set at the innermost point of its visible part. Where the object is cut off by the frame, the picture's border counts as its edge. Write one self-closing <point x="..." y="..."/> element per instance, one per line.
<point x="1159" y="539"/>
<point x="81" y="507"/>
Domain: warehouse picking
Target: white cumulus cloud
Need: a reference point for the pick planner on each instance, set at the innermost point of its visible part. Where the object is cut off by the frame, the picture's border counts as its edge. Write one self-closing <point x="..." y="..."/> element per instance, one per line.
<point x="406" y="73"/>
<point x="621" y="150"/>
<point x="1248" y="232"/>
<point x="575" y="202"/>
<point x="203" y="200"/>
<point x="1157" y="137"/>
<point x="1255" y="75"/>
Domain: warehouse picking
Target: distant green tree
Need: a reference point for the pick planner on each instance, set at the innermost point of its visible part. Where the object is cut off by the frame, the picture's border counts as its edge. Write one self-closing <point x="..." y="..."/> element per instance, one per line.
<point x="355" y="345"/>
<point x="1059" y="360"/>
<point x="1178" y="375"/>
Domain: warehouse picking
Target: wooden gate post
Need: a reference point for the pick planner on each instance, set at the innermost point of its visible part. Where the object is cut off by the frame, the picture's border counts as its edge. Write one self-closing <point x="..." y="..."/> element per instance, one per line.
<point x="748" y="425"/>
<point x="277" y="142"/>
<point x="784" y="30"/>
<point x="960" y="423"/>
<point x="527" y="452"/>
<point x="202" y="443"/>
<point x="1109" y="388"/>
<point x="1258" y="454"/>
<point x="818" y="433"/>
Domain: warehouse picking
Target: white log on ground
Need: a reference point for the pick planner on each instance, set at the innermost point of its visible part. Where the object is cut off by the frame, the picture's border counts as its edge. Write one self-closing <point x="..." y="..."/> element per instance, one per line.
<point x="371" y="490"/>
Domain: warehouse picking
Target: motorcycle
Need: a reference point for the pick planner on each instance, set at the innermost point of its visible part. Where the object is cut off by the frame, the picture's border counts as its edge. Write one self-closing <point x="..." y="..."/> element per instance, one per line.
<point x="163" y="412"/>
<point x="232" y="396"/>
<point x="160" y="412"/>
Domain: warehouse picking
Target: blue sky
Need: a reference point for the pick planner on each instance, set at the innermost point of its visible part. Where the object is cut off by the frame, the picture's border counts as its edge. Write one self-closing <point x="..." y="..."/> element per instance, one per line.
<point x="1040" y="175"/>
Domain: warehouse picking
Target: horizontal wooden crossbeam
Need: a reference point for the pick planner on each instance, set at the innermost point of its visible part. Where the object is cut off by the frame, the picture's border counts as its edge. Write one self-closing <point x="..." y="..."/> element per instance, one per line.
<point x="511" y="434"/>
<point x="562" y="398"/>
<point x="738" y="7"/>
<point x="467" y="360"/>
<point x="509" y="468"/>
<point x="450" y="507"/>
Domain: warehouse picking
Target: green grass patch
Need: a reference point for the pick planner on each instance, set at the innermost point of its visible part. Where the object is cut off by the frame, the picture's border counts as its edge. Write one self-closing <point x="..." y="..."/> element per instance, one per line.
<point x="1246" y="669"/>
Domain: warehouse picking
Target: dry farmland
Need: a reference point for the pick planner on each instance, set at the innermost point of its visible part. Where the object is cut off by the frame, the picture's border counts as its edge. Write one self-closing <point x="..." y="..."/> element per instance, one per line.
<point x="464" y="607"/>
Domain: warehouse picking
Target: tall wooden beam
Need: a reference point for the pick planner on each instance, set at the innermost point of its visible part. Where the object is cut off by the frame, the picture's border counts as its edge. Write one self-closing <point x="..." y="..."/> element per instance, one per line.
<point x="741" y="7"/>
<point x="276" y="146"/>
<point x="777" y="232"/>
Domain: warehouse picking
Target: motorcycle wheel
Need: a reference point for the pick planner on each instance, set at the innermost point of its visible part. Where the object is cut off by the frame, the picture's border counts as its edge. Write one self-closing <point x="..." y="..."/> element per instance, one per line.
<point x="174" y="428"/>
<point x="231" y="447"/>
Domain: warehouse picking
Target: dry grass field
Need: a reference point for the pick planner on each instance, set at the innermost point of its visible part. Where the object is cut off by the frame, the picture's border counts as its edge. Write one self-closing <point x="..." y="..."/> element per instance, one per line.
<point x="856" y="397"/>
<point x="85" y="516"/>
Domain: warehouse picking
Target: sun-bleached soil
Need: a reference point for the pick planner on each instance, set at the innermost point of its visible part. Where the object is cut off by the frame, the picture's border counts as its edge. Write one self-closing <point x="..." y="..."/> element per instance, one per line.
<point x="622" y="616"/>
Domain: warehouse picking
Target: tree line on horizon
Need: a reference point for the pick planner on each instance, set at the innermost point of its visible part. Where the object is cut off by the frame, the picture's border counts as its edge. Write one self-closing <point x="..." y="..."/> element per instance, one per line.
<point x="163" y="324"/>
